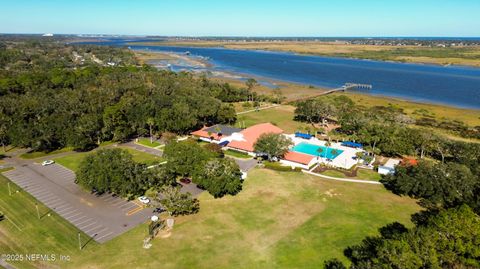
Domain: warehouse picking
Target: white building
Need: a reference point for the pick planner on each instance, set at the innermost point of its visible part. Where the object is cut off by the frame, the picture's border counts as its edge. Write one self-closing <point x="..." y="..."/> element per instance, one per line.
<point x="389" y="167"/>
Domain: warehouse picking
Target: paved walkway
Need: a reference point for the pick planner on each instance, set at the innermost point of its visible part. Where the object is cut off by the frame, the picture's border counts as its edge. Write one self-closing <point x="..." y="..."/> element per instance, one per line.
<point x="142" y="148"/>
<point x="245" y="164"/>
<point x="254" y="110"/>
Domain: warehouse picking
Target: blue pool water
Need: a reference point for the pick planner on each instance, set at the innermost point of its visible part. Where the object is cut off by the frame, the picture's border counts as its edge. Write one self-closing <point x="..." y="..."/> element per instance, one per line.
<point x="311" y="149"/>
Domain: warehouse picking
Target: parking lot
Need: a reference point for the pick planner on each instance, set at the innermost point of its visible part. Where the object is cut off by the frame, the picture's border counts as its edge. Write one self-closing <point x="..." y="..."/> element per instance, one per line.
<point x="101" y="217"/>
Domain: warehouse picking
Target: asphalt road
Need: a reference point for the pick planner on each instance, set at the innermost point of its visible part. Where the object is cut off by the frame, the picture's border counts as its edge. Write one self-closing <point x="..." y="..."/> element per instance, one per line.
<point x="101" y="217"/>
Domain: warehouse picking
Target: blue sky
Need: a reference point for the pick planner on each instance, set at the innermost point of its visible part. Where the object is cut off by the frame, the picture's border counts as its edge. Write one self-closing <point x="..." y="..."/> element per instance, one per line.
<point x="244" y="17"/>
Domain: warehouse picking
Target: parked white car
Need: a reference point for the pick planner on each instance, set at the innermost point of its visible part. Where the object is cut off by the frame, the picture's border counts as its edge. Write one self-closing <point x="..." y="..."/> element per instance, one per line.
<point x="143" y="200"/>
<point x="48" y="162"/>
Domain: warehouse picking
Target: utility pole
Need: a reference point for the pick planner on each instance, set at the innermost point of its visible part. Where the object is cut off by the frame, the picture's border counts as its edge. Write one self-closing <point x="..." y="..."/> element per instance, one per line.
<point x="79" y="242"/>
<point x="38" y="212"/>
<point x="9" y="190"/>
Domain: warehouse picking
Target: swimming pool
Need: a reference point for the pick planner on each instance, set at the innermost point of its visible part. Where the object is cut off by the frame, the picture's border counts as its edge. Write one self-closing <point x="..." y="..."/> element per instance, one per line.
<point x="311" y="149"/>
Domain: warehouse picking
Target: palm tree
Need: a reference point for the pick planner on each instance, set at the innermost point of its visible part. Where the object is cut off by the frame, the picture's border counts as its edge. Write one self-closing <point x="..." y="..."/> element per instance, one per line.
<point x="319" y="151"/>
<point x="151" y="122"/>
<point x="334" y="152"/>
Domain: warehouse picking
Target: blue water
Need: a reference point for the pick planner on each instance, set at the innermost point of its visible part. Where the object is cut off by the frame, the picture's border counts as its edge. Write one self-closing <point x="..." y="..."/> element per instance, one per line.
<point x="311" y="149"/>
<point x="452" y="85"/>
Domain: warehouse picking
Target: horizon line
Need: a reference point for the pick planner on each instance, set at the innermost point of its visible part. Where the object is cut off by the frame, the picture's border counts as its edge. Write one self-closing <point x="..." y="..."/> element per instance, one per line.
<point x="237" y="36"/>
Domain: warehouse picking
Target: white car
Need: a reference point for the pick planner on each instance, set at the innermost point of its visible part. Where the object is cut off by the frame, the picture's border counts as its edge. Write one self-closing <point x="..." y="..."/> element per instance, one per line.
<point x="143" y="200"/>
<point x="48" y="162"/>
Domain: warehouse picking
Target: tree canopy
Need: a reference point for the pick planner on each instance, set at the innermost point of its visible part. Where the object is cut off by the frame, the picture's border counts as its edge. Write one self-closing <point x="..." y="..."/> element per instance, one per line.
<point x="113" y="170"/>
<point x="274" y="145"/>
<point x="55" y="95"/>
<point x="437" y="184"/>
<point x="219" y="177"/>
<point x="177" y="203"/>
<point x="447" y="240"/>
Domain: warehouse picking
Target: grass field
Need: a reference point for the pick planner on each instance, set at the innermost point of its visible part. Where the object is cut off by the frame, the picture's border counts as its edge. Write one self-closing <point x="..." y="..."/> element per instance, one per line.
<point x="362" y="174"/>
<point x="281" y="116"/>
<point x="416" y="110"/>
<point x="146" y="142"/>
<point x="275" y="222"/>
<point x="443" y="56"/>
<point x="73" y="160"/>
<point x="237" y="154"/>
<point x="368" y="175"/>
<point x="40" y="154"/>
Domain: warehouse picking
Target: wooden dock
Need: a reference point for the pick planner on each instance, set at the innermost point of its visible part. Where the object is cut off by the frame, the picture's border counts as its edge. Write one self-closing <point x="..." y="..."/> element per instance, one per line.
<point x="347" y="86"/>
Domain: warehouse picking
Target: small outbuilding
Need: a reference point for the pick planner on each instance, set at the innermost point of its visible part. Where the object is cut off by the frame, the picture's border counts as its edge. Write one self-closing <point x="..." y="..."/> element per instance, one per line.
<point x="389" y="167"/>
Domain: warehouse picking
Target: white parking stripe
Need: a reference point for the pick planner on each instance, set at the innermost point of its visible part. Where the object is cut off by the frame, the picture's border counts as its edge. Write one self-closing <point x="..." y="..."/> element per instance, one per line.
<point x="58" y="204"/>
<point x="21" y="180"/>
<point x="101" y="231"/>
<point x="64" y="207"/>
<point x="103" y="236"/>
<point x="64" y="211"/>
<point x="111" y="198"/>
<point x="132" y="206"/>
<point x="83" y="222"/>
<point x="93" y="229"/>
<point x="39" y="192"/>
<point x="92" y="223"/>
<point x="120" y="203"/>
<point x="78" y="218"/>
<point x="51" y="200"/>
<point x="74" y="216"/>
<point x="71" y="213"/>
<point x="43" y="197"/>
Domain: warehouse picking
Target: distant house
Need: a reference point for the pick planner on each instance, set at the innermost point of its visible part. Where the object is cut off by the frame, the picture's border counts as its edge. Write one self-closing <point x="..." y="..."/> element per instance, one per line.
<point x="216" y="134"/>
<point x="244" y="141"/>
<point x="389" y="167"/>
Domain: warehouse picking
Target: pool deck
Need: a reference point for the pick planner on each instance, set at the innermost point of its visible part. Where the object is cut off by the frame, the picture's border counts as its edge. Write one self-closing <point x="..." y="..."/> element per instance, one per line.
<point x="344" y="160"/>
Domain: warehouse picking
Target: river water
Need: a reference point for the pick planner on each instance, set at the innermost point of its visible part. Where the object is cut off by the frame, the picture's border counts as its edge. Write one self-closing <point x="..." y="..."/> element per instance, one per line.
<point x="452" y="85"/>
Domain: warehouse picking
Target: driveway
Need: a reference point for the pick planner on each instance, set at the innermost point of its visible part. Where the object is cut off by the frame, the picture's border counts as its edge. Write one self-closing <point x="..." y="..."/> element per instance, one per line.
<point x="101" y="217"/>
<point x="246" y="165"/>
<point x="138" y="147"/>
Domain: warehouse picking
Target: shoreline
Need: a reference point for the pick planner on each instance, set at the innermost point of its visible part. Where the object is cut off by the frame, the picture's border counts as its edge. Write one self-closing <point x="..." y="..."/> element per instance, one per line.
<point x="282" y="84"/>
<point x="251" y="47"/>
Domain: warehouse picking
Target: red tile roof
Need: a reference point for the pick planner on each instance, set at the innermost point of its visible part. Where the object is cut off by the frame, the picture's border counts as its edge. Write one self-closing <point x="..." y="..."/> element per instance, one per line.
<point x="251" y="134"/>
<point x="204" y="134"/>
<point x="298" y="157"/>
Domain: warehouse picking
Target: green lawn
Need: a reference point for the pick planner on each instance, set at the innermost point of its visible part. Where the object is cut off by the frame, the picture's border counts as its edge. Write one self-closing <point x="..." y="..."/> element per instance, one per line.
<point x="146" y="142"/>
<point x="364" y="174"/>
<point x="368" y="174"/>
<point x="334" y="173"/>
<point x="73" y="161"/>
<point x="281" y="116"/>
<point x="279" y="220"/>
<point x="24" y="233"/>
<point x="39" y="154"/>
<point x="237" y="154"/>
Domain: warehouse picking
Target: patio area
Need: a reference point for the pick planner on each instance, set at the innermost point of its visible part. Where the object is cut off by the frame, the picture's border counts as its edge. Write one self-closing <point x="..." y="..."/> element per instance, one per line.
<point x="345" y="159"/>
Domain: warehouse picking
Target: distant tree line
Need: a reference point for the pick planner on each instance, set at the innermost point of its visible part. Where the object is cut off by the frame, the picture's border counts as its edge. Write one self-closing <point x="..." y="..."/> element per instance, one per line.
<point x="384" y="130"/>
